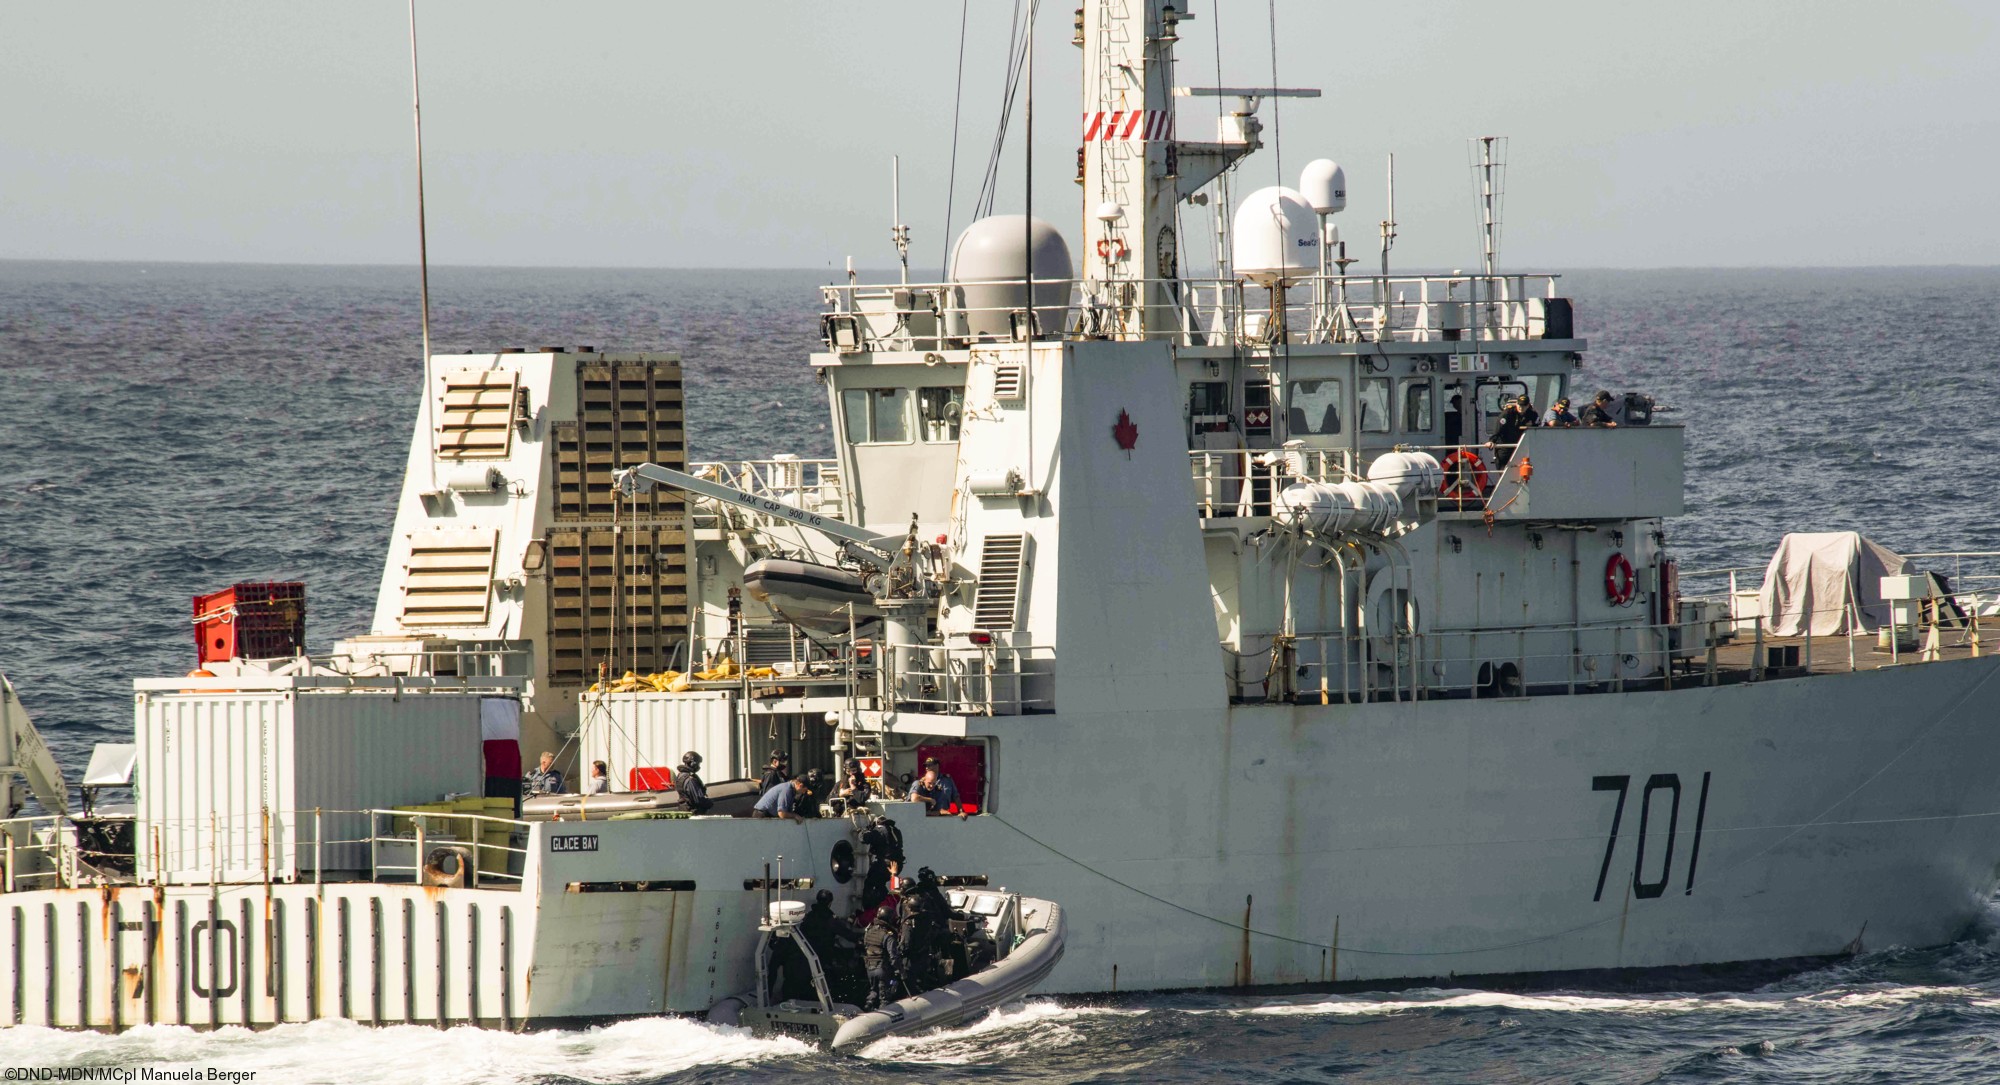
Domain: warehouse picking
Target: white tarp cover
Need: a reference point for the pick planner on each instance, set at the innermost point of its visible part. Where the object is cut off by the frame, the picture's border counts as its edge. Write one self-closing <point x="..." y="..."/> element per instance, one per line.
<point x="1832" y="579"/>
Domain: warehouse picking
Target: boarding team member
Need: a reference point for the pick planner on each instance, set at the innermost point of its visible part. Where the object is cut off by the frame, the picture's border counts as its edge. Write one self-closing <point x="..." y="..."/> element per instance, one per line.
<point x="777" y="771"/>
<point x="688" y="783"/>
<point x="780" y="800"/>
<point x="1559" y="416"/>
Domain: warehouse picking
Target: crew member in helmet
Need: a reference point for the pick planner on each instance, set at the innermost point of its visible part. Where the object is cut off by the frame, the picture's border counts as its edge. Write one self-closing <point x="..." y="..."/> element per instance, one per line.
<point x="885" y="859"/>
<point x="854" y="789"/>
<point x="776" y="771"/>
<point x="882" y="952"/>
<point x="688" y="782"/>
<point x="808" y="802"/>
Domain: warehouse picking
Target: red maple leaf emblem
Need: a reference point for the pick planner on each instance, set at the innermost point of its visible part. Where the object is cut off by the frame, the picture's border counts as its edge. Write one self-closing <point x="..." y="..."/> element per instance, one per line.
<point x="1126" y="432"/>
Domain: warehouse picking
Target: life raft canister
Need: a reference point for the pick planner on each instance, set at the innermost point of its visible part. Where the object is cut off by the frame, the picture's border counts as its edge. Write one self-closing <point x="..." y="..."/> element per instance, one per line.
<point x="1620" y="582"/>
<point x="1465" y="475"/>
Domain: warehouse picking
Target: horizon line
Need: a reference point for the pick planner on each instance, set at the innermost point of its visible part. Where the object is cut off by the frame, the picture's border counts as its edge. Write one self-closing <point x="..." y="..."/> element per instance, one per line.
<point x="841" y="270"/>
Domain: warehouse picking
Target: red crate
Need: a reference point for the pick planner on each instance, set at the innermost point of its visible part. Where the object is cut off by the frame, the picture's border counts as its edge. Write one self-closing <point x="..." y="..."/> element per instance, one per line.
<point x="250" y="621"/>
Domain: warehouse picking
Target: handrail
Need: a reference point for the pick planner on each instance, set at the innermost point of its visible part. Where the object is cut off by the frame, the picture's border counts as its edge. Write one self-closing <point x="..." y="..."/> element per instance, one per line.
<point x="1196" y="311"/>
<point x="973" y="680"/>
<point x="1432" y="662"/>
<point x="54" y="862"/>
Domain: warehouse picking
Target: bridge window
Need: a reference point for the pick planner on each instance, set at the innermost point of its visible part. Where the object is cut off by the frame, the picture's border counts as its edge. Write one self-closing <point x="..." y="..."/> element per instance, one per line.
<point x="1417" y="405"/>
<point x="939" y="408"/>
<point x="1374" y="404"/>
<point x="876" y="415"/>
<point x="1312" y="408"/>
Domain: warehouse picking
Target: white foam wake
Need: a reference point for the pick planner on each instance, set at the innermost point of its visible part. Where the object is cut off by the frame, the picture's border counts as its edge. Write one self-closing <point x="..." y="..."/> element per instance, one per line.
<point x="1360" y="1005"/>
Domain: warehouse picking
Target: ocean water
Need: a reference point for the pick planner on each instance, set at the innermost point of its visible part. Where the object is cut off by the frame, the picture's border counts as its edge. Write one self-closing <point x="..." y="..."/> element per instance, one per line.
<point x="170" y="429"/>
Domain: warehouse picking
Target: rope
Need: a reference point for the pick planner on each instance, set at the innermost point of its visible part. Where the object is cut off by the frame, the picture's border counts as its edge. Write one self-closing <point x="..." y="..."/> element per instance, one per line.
<point x="1818" y="821"/>
<point x="951" y="185"/>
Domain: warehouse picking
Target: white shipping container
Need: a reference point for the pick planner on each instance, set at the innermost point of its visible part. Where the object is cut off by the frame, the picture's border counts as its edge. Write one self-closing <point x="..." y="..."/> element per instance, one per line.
<point x="653" y="730"/>
<point x="227" y="782"/>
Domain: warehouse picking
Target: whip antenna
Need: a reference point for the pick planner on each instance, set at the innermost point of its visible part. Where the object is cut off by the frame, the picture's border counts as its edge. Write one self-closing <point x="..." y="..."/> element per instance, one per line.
<point x="423" y="244"/>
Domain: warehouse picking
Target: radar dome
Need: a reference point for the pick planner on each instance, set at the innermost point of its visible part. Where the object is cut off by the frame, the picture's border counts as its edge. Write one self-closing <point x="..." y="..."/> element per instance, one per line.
<point x="989" y="264"/>
<point x="1323" y="184"/>
<point x="1274" y="236"/>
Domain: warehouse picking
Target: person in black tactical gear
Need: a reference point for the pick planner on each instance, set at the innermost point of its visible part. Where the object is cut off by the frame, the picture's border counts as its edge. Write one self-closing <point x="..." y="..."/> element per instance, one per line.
<point x="926" y="915"/>
<point x="854" y="790"/>
<point x="807" y="805"/>
<point x="882" y="952"/>
<point x="885" y="858"/>
<point x="776" y="772"/>
<point x="834" y="941"/>
<point x="688" y="783"/>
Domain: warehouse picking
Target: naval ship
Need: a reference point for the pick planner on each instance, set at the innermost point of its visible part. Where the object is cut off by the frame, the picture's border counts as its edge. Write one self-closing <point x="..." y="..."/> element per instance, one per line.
<point x="1353" y="683"/>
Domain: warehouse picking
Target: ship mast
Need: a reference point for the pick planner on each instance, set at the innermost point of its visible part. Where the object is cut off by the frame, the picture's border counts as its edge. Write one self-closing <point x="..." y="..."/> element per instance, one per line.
<point x="1130" y="247"/>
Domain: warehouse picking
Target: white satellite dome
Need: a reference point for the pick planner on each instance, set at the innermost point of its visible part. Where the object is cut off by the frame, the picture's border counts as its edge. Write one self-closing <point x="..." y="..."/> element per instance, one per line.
<point x="988" y="264"/>
<point x="1274" y="236"/>
<point x="1323" y="185"/>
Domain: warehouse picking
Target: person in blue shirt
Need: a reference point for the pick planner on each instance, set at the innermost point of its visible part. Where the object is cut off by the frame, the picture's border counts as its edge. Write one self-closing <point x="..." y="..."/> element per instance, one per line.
<point x="935" y="790"/>
<point x="1559" y="416"/>
<point x="779" y="800"/>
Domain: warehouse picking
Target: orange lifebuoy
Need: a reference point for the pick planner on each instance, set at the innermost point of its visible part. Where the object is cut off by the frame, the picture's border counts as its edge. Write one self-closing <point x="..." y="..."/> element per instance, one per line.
<point x="1620" y="582"/>
<point x="1465" y="475"/>
<point x="1109" y="247"/>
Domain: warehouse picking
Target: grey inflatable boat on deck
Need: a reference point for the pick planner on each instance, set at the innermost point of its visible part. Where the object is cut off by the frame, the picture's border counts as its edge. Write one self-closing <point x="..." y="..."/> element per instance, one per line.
<point x="1038" y="925"/>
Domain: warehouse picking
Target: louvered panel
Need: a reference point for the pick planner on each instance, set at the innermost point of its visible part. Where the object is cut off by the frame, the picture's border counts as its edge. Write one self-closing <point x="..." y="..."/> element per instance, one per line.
<point x="618" y="597"/>
<point x="1007" y="382"/>
<point x="1002" y="567"/>
<point x="476" y="414"/>
<point x="448" y="579"/>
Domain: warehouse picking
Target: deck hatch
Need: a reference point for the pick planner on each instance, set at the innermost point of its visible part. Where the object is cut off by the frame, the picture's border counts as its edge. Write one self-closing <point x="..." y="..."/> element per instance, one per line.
<point x="1002" y="568"/>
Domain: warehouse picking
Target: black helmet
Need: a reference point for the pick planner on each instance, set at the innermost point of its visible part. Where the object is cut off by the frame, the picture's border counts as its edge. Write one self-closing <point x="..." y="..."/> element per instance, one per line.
<point x="814" y="776"/>
<point x="781" y="757"/>
<point x="690" y="760"/>
<point x="824" y="896"/>
<point x="925" y="875"/>
<point x="853" y="765"/>
<point x="881" y="821"/>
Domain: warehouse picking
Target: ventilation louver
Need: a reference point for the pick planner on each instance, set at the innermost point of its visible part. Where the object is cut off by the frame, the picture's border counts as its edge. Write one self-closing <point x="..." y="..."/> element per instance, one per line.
<point x="1002" y="568"/>
<point x="1007" y="383"/>
<point x="449" y="578"/>
<point x="476" y="419"/>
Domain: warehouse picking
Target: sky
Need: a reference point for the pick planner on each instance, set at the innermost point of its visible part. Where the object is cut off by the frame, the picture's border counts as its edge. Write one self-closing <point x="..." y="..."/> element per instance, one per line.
<point x="1700" y="133"/>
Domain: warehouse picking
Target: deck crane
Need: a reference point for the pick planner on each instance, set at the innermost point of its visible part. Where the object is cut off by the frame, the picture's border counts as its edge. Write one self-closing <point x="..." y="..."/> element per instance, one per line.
<point x="27" y="757"/>
<point x="904" y="569"/>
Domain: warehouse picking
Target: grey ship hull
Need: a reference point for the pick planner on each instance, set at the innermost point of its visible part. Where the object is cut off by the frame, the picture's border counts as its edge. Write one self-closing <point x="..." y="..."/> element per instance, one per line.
<point x="1789" y="818"/>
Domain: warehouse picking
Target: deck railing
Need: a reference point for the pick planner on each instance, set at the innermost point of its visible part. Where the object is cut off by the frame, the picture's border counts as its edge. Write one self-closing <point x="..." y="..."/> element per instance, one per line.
<point x="971" y="680"/>
<point x="812" y="485"/>
<point x="1201" y="312"/>
<point x="52" y="851"/>
<point x="1566" y="660"/>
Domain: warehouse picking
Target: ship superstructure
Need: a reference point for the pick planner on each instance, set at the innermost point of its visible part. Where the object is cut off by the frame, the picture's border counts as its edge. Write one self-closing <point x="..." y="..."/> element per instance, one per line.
<point x="1246" y="631"/>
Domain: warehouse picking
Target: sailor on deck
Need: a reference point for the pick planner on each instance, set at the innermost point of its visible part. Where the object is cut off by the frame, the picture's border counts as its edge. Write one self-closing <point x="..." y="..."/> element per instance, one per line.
<point x="547" y="779"/>
<point x="936" y="791"/>
<point x="779" y="801"/>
